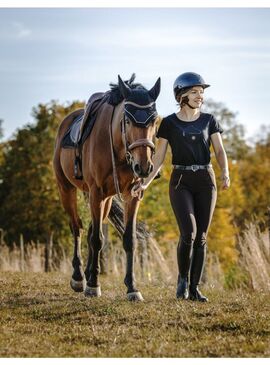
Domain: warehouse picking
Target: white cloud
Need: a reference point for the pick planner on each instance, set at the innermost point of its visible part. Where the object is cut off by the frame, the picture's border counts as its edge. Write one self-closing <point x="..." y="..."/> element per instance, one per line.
<point x="20" y="30"/>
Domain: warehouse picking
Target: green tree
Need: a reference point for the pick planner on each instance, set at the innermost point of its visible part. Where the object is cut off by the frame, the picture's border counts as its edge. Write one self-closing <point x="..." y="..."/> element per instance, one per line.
<point x="234" y="132"/>
<point x="1" y="129"/>
<point x="29" y="197"/>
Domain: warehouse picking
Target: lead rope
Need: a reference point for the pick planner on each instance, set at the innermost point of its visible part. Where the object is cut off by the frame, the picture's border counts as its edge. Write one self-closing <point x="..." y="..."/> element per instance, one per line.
<point x="115" y="178"/>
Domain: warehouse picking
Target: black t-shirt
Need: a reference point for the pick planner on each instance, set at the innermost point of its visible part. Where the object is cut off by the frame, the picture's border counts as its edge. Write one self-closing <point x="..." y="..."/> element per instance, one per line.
<point x="190" y="141"/>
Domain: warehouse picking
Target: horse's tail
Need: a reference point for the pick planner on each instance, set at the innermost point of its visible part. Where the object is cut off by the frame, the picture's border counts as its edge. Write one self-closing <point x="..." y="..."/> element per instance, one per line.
<point x="146" y="242"/>
<point x="116" y="217"/>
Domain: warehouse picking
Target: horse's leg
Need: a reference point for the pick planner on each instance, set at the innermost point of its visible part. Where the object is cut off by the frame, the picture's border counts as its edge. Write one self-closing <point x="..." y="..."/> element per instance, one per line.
<point x="95" y="242"/>
<point x="107" y="207"/>
<point x="69" y="200"/>
<point x="129" y="241"/>
<point x="89" y="259"/>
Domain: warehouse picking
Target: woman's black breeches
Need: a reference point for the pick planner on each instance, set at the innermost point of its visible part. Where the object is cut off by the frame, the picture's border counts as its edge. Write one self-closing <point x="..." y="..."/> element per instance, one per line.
<point x="193" y="198"/>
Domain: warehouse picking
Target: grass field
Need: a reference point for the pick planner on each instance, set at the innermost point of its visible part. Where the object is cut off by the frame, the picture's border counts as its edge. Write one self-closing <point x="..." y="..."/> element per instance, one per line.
<point x="42" y="317"/>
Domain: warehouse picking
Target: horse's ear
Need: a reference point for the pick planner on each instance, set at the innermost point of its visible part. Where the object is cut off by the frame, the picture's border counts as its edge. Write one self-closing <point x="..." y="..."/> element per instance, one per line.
<point x="154" y="92"/>
<point x="124" y="88"/>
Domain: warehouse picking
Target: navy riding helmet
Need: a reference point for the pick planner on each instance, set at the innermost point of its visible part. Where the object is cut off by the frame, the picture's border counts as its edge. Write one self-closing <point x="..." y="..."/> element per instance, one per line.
<point x="186" y="81"/>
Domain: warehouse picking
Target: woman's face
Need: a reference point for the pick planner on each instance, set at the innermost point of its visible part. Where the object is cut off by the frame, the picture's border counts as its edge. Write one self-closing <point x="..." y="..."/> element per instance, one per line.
<point x="195" y="96"/>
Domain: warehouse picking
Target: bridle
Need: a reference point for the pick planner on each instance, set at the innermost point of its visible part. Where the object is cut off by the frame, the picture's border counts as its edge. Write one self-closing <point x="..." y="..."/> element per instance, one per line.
<point x="143" y="142"/>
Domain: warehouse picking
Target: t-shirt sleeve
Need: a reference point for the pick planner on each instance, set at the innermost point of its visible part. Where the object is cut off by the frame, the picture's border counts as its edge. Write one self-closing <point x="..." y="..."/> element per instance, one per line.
<point x="163" y="130"/>
<point x="214" y="126"/>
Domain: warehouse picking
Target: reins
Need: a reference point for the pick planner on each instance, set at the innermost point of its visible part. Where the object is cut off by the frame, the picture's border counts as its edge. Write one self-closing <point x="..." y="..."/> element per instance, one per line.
<point x="115" y="178"/>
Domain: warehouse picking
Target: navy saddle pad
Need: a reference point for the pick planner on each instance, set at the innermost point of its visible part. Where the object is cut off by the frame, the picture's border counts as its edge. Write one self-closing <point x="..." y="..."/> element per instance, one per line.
<point x="70" y="139"/>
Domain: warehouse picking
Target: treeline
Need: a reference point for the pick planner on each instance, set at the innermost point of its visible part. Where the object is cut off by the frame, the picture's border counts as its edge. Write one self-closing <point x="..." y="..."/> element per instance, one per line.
<point x="29" y="200"/>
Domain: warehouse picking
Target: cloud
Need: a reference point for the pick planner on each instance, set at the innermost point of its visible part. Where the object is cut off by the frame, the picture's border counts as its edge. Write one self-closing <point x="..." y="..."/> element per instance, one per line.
<point x="14" y="31"/>
<point x="20" y="31"/>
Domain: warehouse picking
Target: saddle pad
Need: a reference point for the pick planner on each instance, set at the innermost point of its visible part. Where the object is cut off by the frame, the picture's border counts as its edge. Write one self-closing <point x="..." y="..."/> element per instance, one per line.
<point x="82" y="125"/>
<point x="71" y="136"/>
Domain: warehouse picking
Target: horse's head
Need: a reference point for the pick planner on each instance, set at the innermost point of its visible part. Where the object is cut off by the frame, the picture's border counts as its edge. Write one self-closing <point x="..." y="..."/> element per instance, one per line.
<point x="139" y="126"/>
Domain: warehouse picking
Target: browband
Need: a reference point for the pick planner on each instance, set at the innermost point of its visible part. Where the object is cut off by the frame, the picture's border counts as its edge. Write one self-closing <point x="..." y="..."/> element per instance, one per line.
<point x="138" y="105"/>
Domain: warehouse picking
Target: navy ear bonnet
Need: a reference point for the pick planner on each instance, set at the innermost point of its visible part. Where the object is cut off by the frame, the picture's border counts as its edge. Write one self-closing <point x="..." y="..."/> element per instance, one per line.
<point x="140" y="108"/>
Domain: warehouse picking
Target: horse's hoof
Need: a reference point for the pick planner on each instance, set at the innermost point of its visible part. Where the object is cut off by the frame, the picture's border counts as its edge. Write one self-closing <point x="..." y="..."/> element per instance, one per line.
<point x="78" y="286"/>
<point x="92" y="291"/>
<point x="135" y="297"/>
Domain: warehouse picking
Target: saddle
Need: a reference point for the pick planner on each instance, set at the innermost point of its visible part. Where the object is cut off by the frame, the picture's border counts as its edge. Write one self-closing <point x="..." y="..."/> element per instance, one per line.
<point x="83" y="124"/>
<point x="81" y="128"/>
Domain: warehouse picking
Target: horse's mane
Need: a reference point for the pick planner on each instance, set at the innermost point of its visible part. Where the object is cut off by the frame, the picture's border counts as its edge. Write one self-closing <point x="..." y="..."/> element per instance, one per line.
<point x="115" y="94"/>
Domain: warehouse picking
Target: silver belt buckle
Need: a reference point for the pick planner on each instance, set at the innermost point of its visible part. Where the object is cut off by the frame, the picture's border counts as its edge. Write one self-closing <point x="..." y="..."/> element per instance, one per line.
<point x="194" y="168"/>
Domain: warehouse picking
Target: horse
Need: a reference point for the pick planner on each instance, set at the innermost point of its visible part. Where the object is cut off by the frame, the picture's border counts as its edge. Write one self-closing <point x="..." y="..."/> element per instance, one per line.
<point x="117" y="155"/>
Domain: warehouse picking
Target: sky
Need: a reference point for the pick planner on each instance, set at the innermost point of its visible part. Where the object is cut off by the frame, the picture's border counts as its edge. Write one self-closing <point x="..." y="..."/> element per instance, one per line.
<point x="68" y="54"/>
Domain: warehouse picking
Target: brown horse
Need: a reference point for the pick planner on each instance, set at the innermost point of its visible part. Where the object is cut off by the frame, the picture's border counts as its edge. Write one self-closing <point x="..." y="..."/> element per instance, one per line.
<point x="117" y="154"/>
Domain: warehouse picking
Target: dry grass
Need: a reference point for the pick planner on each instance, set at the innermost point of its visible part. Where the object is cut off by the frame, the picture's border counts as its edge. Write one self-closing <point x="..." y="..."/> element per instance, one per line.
<point x="255" y="257"/>
<point x="42" y="317"/>
<point x="32" y="259"/>
<point x="155" y="269"/>
<point x="252" y="270"/>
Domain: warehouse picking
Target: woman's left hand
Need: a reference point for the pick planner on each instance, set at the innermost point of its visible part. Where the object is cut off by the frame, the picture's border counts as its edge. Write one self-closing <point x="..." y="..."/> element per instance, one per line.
<point x="225" y="181"/>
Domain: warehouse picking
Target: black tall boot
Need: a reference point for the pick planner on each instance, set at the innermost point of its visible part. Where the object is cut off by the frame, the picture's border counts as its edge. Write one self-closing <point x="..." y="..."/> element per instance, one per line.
<point x="197" y="266"/>
<point x="184" y="260"/>
<point x="182" y="288"/>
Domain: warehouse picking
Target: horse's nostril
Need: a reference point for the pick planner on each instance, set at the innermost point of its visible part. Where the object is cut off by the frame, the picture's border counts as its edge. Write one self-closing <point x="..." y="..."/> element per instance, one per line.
<point x="151" y="168"/>
<point x="137" y="169"/>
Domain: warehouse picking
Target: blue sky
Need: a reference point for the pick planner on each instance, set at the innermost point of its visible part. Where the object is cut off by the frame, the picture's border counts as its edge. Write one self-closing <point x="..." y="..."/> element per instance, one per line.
<point x="67" y="54"/>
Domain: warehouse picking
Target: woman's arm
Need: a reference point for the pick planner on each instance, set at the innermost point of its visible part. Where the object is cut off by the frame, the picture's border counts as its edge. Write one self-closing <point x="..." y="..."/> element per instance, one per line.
<point x="158" y="160"/>
<point x="221" y="159"/>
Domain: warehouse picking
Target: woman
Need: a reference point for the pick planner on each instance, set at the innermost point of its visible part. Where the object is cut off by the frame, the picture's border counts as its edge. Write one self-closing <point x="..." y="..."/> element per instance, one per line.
<point x="192" y="185"/>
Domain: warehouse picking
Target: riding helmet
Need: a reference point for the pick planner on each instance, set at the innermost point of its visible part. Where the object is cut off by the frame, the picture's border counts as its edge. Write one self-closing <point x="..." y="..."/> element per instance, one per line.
<point x="186" y="81"/>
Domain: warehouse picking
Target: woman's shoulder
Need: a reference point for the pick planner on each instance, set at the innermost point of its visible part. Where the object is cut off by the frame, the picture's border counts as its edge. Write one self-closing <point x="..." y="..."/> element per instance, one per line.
<point x="207" y="116"/>
<point x="168" y="118"/>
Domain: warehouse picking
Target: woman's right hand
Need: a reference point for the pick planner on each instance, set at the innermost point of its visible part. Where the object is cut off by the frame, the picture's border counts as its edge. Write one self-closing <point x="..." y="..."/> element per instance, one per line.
<point x="138" y="190"/>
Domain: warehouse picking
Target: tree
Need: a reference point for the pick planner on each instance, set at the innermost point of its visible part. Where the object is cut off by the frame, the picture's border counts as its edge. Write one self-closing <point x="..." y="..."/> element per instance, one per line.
<point x="28" y="193"/>
<point x="254" y="171"/>
<point x="1" y="129"/>
<point x="234" y="132"/>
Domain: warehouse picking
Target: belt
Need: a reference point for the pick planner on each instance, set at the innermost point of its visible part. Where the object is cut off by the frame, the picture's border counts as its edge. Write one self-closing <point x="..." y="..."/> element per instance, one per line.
<point x="192" y="167"/>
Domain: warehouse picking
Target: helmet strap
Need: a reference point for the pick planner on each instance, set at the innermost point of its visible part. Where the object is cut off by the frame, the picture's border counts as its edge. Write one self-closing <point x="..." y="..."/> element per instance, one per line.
<point x="191" y="107"/>
<point x="185" y="101"/>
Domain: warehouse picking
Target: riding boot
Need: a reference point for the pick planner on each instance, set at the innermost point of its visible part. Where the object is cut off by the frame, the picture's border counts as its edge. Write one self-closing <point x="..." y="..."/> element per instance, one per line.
<point x="184" y="250"/>
<point x="182" y="288"/>
<point x="198" y="260"/>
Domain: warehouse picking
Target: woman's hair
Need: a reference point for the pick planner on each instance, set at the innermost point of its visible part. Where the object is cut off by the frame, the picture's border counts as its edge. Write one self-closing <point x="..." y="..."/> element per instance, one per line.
<point x="182" y="99"/>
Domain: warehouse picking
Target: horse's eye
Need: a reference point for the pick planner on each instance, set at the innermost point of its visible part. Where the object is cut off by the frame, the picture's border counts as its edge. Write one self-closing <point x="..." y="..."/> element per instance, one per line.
<point x="127" y="121"/>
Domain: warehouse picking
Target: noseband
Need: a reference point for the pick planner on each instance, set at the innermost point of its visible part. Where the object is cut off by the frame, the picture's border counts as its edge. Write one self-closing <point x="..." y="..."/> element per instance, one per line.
<point x="143" y="142"/>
